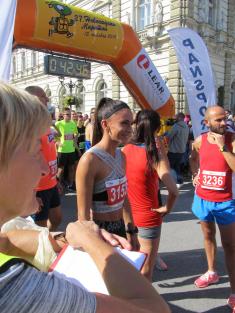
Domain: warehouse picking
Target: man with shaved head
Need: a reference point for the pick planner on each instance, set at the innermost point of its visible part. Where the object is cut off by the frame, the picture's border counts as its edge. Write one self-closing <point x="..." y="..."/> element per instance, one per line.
<point x="212" y="163"/>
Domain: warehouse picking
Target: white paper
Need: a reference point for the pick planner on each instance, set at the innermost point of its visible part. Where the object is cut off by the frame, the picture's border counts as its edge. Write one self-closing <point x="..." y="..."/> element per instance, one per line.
<point x="78" y="267"/>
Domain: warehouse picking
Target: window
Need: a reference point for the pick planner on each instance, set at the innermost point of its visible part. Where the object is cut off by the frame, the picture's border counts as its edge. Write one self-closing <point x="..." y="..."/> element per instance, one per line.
<point x="34" y="59"/>
<point x="80" y="93"/>
<point x="62" y="94"/>
<point x="48" y="93"/>
<point x="101" y="91"/>
<point x="221" y="95"/>
<point x="232" y="106"/>
<point x="23" y="61"/>
<point x="14" y="65"/>
<point x="144" y="14"/>
<point x="211" y="12"/>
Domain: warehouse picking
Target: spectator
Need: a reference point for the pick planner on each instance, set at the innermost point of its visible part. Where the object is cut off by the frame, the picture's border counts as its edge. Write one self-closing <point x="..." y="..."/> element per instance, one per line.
<point x="81" y="134"/>
<point x="178" y="138"/>
<point x="89" y="130"/>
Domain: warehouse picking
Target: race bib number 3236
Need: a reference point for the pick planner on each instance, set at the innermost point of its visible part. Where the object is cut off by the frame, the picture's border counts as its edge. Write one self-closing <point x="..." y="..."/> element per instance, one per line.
<point x="213" y="180"/>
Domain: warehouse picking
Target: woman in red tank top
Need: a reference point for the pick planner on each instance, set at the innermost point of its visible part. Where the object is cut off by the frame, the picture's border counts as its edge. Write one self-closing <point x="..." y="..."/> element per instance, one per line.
<point x="146" y="163"/>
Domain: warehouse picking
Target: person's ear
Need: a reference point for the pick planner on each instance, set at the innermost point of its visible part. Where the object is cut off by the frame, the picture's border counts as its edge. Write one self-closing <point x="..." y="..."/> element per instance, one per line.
<point x="104" y="124"/>
<point x="206" y="122"/>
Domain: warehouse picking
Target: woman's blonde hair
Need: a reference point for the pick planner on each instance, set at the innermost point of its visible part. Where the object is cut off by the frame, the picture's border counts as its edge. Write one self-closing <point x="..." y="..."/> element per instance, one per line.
<point x="22" y="119"/>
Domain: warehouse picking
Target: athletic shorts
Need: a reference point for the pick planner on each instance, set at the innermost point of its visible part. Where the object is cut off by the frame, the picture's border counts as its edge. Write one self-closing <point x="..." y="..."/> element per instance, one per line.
<point x="221" y="212"/>
<point x="77" y="155"/>
<point x="50" y="199"/>
<point x="149" y="232"/>
<point x="115" y="227"/>
<point x="87" y="145"/>
<point x="65" y="159"/>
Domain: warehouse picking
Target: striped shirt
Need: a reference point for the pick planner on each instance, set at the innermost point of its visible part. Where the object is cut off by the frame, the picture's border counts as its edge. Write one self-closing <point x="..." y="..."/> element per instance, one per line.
<point x="23" y="289"/>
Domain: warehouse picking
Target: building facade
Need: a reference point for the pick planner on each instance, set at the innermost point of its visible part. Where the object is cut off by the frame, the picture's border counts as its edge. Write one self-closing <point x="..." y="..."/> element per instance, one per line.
<point x="212" y="19"/>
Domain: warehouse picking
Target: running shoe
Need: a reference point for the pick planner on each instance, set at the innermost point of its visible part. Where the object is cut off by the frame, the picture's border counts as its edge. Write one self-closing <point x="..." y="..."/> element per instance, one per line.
<point x="160" y="264"/>
<point x="231" y="303"/>
<point x="206" y="279"/>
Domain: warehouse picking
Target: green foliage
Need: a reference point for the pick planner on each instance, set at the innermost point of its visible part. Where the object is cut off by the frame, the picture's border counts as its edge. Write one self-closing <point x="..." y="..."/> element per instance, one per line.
<point x="68" y="101"/>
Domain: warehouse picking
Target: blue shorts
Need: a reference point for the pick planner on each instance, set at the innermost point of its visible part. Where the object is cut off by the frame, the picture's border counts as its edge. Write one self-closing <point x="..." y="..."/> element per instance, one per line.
<point x="207" y="211"/>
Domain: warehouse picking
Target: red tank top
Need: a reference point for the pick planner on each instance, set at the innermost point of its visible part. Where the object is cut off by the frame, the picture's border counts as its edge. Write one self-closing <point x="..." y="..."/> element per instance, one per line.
<point x="49" y="152"/>
<point x="142" y="187"/>
<point x="215" y="177"/>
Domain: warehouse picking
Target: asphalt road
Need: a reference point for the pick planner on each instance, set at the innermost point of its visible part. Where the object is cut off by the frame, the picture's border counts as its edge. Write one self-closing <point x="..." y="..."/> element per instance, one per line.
<point x="181" y="248"/>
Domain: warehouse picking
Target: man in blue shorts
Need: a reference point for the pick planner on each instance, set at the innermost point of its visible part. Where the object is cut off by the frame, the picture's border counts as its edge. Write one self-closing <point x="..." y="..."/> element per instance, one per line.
<point x="212" y="163"/>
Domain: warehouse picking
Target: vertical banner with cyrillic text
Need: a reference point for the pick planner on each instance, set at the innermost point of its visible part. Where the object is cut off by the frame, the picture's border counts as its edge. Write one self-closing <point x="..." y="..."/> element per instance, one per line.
<point x="195" y="66"/>
<point x="7" y="18"/>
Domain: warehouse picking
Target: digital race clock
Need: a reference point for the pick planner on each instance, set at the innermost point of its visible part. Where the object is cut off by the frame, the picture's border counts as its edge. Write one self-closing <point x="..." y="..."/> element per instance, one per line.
<point x="54" y="65"/>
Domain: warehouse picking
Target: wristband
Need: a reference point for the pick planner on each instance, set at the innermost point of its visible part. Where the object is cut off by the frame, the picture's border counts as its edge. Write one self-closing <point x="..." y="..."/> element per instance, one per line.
<point x="223" y="148"/>
<point x="132" y="230"/>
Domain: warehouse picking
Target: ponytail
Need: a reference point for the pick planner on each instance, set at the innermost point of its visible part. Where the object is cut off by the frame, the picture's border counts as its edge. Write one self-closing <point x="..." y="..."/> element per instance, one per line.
<point x="147" y="123"/>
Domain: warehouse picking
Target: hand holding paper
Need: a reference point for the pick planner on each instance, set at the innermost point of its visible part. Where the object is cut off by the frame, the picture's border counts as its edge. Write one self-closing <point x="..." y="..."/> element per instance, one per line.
<point x="87" y="228"/>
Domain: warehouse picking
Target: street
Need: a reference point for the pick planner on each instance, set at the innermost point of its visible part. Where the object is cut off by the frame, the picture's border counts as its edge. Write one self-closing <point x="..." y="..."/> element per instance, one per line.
<point x="181" y="248"/>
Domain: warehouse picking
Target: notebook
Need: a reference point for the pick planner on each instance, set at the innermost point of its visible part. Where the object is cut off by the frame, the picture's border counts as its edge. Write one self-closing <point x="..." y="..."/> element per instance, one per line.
<point x="78" y="267"/>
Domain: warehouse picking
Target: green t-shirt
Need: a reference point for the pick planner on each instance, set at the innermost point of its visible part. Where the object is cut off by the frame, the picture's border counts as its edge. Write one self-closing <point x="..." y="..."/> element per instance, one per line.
<point x="68" y="131"/>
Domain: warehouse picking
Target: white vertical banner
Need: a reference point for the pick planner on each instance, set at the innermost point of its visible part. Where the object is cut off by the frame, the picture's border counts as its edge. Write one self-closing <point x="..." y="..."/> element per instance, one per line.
<point x="195" y="66"/>
<point x="7" y="21"/>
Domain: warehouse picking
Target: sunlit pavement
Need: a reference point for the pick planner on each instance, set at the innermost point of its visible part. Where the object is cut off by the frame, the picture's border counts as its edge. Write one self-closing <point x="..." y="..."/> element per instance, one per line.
<point x="181" y="248"/>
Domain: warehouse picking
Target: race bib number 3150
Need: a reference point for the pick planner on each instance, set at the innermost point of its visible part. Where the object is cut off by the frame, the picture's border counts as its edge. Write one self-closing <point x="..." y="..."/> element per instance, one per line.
<point x="213" y="180"/>
<point x="116" y="190"/>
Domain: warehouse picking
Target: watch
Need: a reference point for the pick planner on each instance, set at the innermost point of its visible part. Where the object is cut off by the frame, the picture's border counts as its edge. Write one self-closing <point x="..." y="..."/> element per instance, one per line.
<point x="223" y="148"/>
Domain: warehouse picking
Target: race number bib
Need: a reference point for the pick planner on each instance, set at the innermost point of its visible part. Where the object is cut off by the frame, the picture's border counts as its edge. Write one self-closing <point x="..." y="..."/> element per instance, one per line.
<point x="213" y="180"/>
<point x="116" y="190"/>
<point x="53" y="168"/>
<point x="68" y="137"/>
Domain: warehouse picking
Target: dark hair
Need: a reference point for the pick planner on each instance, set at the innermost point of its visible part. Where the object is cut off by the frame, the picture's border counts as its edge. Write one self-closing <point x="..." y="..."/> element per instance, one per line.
<point x="147" y="123"/>
<point x="105" y="109"/>
<point x="180" y="115"/>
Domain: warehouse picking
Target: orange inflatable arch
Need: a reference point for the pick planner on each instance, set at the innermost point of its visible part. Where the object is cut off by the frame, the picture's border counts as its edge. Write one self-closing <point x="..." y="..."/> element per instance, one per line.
<point x="52" y="26"/>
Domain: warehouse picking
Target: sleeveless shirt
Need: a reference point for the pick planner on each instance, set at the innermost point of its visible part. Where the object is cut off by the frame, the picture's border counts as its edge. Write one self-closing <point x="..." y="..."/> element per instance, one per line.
<point x="142" y="187"/>
<point x="109" y="193"/>
<point x="215" y="176"/>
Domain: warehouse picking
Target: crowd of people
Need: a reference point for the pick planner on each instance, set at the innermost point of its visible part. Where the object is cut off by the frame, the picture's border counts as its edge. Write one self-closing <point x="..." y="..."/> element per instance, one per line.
<point x="116" y="163"/>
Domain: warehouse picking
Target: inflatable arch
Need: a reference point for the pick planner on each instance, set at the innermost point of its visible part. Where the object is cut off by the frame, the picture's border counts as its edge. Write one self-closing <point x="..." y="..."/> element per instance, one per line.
<point x="52" y="26"/>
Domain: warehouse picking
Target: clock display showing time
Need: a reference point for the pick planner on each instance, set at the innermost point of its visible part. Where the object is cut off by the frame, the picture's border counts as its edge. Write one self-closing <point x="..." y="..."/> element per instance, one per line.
<point x="60" y="66"/>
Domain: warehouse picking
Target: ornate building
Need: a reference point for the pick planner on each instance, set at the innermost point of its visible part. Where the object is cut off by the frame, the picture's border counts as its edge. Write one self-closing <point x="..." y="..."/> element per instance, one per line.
<point x="212" y="19"/>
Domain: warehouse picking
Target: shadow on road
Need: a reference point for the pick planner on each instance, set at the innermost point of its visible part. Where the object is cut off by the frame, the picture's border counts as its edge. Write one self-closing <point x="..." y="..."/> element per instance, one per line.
<point x="177" y="284"/>
<point x="187" y="263"/>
